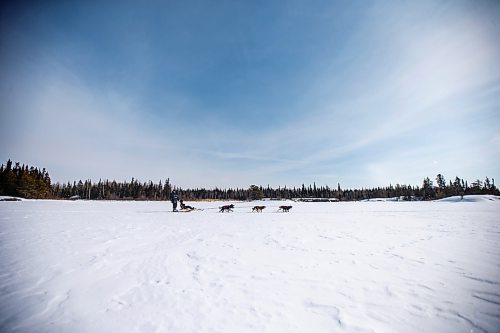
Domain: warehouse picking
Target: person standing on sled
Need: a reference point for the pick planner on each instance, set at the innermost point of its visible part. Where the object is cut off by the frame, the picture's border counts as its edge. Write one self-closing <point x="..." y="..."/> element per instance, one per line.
<point x="173" y="198"/>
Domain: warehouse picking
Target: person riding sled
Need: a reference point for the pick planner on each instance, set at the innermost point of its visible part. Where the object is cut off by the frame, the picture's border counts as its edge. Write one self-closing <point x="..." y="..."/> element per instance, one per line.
<point x="186" y="207"/>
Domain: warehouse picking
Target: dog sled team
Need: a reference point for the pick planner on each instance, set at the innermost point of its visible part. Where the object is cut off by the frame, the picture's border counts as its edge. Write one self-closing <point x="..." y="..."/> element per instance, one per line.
<point x="255" y="209"/>
<point x="259" y="209"/>
<point x="174" y="198"/>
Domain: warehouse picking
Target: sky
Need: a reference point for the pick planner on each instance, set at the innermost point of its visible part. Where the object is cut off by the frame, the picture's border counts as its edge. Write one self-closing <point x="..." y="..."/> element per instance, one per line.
<point x="233" y="93"/>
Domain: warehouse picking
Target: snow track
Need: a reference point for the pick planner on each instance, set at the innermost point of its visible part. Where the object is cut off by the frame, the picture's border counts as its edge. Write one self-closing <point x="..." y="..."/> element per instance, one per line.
<point x="342" y="267"/>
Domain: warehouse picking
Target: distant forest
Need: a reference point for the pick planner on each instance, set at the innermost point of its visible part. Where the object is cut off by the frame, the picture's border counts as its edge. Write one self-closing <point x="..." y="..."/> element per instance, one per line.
<point x="29" y="182"/>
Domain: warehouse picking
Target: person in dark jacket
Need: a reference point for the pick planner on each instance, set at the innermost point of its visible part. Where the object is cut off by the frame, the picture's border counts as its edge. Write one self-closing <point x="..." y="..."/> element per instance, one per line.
<point x="174" y="198"/>
<point x="186" y="207"/>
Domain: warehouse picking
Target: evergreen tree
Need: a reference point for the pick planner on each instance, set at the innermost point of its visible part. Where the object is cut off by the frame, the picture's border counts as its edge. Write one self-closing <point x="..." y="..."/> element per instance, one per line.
<point x="441" y="186"/>
<point x="256" y="192"/>
<point x="427" y="189"/>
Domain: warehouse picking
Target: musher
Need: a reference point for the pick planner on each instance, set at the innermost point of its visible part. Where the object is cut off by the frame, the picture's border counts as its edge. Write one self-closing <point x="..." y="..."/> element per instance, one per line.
<point x="173" y="198"/>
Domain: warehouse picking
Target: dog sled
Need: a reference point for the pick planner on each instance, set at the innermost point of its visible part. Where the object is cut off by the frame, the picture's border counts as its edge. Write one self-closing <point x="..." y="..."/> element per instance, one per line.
<point x="186" y="209"/>
<point x="230" y="208"/>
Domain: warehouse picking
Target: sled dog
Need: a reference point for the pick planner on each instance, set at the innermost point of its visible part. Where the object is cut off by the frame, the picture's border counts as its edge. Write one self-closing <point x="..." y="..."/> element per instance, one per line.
<point x="258" y="209"/>
<point x="226" y="208"/>
<point x="285" y="208"/>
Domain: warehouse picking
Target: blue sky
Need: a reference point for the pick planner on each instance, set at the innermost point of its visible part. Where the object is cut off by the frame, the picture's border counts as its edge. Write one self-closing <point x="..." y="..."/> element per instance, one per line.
<point x="233" y="93"/>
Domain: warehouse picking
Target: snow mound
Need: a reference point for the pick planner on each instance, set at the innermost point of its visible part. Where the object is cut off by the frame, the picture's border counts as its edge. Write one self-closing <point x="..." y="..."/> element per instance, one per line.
<point x="383" y="199"/>
<point x="7" y="198"/>
<point x="471" y="198"/>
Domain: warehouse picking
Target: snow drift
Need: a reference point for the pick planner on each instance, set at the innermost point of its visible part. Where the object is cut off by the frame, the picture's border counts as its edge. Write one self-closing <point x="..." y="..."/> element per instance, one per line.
<point x="471" y="198"/>
<point x="343" y="267"/>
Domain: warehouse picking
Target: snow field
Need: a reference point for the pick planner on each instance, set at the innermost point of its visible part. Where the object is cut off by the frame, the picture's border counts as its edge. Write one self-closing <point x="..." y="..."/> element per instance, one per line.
<point x="324" y="267"/>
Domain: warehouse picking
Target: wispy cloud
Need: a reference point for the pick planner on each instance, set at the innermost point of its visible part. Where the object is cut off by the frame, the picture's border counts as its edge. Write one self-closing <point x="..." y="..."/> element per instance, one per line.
<point x="75" y="130"/>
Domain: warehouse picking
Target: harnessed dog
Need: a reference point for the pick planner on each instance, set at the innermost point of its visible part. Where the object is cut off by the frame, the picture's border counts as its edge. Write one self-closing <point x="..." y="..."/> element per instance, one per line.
<point x="285" y="208"/>
<point x="226" y="208"/>
<point x="258" y="209"/>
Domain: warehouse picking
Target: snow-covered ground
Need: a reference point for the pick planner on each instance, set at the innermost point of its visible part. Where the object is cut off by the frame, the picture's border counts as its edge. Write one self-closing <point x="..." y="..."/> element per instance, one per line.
<point x="324" y="267"/>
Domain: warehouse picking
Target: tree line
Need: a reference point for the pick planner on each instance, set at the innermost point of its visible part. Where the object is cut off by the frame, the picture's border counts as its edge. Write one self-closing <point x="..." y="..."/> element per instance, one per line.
<point x="24" y="181"/>
<point x="30" y="182"/>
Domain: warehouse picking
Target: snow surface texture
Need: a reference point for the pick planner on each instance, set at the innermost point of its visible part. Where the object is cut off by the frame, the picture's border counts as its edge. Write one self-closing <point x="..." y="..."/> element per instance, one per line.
<point x="324" y="267"/>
